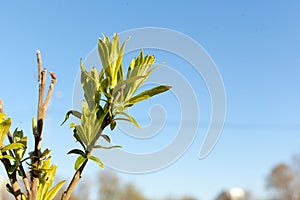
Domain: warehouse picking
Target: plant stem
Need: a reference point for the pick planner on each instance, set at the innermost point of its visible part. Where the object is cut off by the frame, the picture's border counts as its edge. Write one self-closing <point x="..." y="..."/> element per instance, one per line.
<point x="25" y="178"/>
<point x="12" y="177"/>
<point x="67" y="194"/>
<point x="42" y="107"/>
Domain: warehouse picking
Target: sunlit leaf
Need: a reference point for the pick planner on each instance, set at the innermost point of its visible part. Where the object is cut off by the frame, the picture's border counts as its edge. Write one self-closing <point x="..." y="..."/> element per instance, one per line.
<point x="97" y="160"/>
<point x="71" y="112"/>
<point x="147" y="94"/>
<point x="12" y="168"/>
<point x="12" y="146"/>
<point x="79" y="161"/>
<point x="51" y="193"/>
<point x="128" y="118"/>
<point x="34" y="126"/>
<point x="46" y="153"/>
<point x="4" y="128"/>
<point x="9" y="157"/>
<point x="104" y="147"/>
<point x="72" y="125"/>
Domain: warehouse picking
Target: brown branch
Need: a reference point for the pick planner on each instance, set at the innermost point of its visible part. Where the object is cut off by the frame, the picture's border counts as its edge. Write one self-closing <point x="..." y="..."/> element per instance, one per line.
<point x="67" y="194"/>
<point x="39" y="62"/>
<point x="13" y="176"/>
<point x="42" y="107"/>
<point x="12" y="179"/>
<point x="1" y="106"/>
<point x="50" y="91"/>
<point x="25" y="178"/>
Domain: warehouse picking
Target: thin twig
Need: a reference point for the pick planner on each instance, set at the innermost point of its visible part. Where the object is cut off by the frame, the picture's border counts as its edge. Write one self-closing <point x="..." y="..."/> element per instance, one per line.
<point x="1" y="106"/>
<point x="42" y="107"/>
<point x="39" y="61"/>
<point x="50" y="90"/>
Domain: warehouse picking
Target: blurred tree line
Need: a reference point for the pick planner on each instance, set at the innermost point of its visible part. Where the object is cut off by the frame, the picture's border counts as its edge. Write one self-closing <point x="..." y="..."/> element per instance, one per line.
<point x="283" y="181"/>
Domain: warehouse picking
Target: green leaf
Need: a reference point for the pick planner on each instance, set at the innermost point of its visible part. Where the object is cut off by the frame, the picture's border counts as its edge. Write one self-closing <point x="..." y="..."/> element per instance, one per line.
<point x="18" y="135"/>
<point x="72" y="125"/>
<point x="79" y="161"/>
<point x="77" y="151"/>
<point x="34" y="126"/>
<point x="12" y="168"/>
<point x="46" y="153"/>
<point x="128" y="118"/>
<point x="51" y="193"/>
<point x="12" y="146"/>
<point x="147" y="94"/>
<point x="4" y="128"/>
<point x="90" y="85"/>
<point x="127" y="81"/>
<point x="9" y="188"/>
<point x="23" y="197"/>
<point x="71" y="112"/>
<point x="77" y="137"/>
<point x="9" y="157"/>
<point x="97" y="160"/>
<point x="104" y="147"/>
<point x="113" y="124"/>
<point x="106" y="137"/>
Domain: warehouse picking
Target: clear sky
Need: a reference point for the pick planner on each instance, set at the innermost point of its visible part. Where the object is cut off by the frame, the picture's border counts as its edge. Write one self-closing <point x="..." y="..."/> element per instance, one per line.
<point x="255" y="45"/>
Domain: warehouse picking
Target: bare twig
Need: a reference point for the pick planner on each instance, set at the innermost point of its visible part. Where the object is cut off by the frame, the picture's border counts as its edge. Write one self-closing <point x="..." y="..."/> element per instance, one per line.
<point x="39" y="62"/>
<point x="42" y="107"/>
<point x="1" y="106"/>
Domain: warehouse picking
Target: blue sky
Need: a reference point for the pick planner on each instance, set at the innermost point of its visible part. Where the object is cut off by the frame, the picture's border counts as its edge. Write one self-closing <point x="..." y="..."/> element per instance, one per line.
<point x="255" y="45"/>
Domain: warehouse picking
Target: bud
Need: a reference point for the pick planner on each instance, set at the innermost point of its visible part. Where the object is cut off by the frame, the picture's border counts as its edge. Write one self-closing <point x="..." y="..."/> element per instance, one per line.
<point x="34" y="126"/>
<point x="53" y="76"/>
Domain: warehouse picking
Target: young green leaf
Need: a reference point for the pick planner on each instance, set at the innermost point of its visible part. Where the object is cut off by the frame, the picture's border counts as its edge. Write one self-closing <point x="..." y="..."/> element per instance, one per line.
<point x="106" y="137"/>
<point x="12" y="146"/>
<point x="97" y="160"/>
<point x="51" y="193"/>
<point x="104" y="147"/>
<point x="113" y="124"/>
<point x="128" y="118"/>
<point x="9" y="157"/>
<point x="4" y="128"/>
<point x="147" y="94"/>
<point x="79" y="161"/>
<point x="71" y="112"/>
<point x="77" y="151"/>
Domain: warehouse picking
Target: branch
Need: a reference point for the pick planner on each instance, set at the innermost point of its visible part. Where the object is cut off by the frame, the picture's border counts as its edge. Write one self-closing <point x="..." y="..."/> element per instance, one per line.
<point x="1" y="106"/>
<point x="42" y="107"/>
<point x="25" y="178"/>
<point x="67" y="194"/>
<point x="12" y="177"/>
